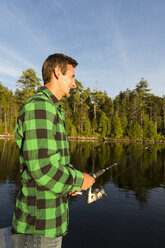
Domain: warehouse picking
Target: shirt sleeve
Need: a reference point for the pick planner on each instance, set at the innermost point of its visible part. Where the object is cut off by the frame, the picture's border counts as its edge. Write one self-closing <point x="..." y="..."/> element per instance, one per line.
<point x="40" y="152"/>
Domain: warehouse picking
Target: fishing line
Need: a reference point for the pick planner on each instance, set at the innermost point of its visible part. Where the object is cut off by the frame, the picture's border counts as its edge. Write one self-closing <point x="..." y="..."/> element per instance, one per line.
<point x="102" y="171"/>
<point x="131" y="166"/>
<point x="98" y="193"/>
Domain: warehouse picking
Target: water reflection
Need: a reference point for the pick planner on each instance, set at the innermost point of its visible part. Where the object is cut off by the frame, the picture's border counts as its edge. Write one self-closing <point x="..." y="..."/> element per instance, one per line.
<point x="141" y="173"/>
<point x="9" y="162"/>
<point x="144" y="171"/>
<point x="116" y="221"/>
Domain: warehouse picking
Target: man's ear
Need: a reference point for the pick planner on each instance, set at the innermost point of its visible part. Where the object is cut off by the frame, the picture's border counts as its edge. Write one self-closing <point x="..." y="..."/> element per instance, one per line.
<point x="57" y="72"/>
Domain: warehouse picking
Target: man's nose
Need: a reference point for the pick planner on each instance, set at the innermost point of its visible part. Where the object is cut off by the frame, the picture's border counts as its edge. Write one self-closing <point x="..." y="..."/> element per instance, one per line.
<point x="73" y="84"/>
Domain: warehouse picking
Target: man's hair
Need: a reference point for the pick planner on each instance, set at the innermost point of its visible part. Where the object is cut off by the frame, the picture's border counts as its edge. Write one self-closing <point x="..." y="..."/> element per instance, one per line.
<point x="54" y="60"/>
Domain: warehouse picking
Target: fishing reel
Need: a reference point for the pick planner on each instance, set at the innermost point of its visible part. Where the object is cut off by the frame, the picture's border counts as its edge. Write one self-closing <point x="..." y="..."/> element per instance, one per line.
<point x="95" y="195"/>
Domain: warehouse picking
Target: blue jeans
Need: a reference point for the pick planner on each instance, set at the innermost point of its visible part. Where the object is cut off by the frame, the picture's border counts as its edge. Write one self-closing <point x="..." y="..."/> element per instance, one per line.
<point x="30" y="241"/>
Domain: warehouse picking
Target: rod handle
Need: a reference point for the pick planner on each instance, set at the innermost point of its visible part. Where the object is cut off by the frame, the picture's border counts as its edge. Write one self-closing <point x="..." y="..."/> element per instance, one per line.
<point x="98" y="173"/>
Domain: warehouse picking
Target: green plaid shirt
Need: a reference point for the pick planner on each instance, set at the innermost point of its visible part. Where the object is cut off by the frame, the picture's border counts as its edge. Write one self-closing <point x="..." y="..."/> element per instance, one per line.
<point x="47" y="175"/>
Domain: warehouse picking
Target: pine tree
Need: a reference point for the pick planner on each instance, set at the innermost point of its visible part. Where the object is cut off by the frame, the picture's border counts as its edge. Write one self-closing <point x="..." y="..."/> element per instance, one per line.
<point x="135" y="131"/>
<point x="28" y="83"/>
<point x="8" y="110"/>
<point x="163" y="114"/>
<point x="94" y="125"/>
<point x="116" y="130"/>
<point x="97" y="98"/>
<point x="87" y="127"/>
<point x="149" y="130"/>
<point x="124" y="123"/>
<point x="141" y="93"/>
<point x="69" y="125"/>
<point x="108" y="127"/>
<point x="73" y="131"/>
<point x="102" y="126"/>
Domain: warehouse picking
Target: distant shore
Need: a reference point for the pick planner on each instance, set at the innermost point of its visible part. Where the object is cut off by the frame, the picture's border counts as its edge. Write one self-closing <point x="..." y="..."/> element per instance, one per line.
<point x="122" y="140"/>
<point x="94" y="139"/>
<point x="6" y="136"/>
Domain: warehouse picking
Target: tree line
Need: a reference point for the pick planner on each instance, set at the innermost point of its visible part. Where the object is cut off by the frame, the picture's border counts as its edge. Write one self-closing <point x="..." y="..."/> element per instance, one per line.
<point x="132" y="114"/>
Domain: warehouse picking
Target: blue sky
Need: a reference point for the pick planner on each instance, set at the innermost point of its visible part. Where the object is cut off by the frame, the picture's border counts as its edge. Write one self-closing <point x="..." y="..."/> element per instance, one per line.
<point x="116" y="42"/>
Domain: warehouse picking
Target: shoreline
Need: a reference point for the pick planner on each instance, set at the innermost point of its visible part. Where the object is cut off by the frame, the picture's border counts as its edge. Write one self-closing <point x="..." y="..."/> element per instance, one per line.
<point x="99" y="139"/>
<point x="121" y="140"/>
<point x="6" y="136"/>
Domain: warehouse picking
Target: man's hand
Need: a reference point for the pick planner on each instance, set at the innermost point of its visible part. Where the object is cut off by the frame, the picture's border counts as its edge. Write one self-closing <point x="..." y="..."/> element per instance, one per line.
<point x="87" y="183"/>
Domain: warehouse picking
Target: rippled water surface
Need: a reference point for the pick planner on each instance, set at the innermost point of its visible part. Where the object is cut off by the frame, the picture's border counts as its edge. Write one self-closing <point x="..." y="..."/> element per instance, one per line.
<point x="133" y="213"/>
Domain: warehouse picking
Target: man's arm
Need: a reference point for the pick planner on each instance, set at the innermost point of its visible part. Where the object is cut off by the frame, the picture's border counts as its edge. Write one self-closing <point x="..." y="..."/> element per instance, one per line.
<point x="41" y="154"/>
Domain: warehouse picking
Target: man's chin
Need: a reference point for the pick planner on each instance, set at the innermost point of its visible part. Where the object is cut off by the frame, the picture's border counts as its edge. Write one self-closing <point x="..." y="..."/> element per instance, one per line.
<point x="67" y="95"/>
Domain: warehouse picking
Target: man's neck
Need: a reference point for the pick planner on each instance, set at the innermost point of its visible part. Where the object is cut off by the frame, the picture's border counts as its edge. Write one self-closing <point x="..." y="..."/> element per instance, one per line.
<point x="53" y="89"/>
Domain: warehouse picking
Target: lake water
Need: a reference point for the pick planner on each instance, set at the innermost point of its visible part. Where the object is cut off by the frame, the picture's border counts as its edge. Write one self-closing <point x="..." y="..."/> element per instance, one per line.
<point x="133" y="213"/>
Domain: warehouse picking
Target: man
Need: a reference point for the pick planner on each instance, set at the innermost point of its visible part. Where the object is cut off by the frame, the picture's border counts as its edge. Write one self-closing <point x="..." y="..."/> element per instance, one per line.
<point x="41" y="213"/>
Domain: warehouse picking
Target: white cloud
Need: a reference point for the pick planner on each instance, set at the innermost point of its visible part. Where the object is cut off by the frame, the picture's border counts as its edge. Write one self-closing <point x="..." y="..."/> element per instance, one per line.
<point x="9" y="70"/>
<point x="14" y="55"/>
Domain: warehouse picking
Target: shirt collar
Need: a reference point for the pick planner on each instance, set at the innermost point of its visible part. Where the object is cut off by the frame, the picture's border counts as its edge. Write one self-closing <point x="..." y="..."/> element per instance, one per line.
<point x="50" y="95"/>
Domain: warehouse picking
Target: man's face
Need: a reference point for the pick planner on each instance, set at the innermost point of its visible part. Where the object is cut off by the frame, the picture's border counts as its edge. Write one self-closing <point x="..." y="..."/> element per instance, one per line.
<point x="67" y="81"/>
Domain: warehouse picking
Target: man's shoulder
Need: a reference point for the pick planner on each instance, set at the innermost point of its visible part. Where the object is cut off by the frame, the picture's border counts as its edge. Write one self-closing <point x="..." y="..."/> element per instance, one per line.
<point x="37" y="101"/>
<point x="39" y="97"/>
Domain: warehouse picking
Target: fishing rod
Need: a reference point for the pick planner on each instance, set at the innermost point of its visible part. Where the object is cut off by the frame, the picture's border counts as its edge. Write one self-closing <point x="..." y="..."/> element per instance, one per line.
<point x="98" y="193"/>
<point x="102" y="171"/>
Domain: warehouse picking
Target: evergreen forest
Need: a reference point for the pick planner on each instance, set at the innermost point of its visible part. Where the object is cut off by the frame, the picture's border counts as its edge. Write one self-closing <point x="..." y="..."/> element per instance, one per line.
<point x="132" y="114"/>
